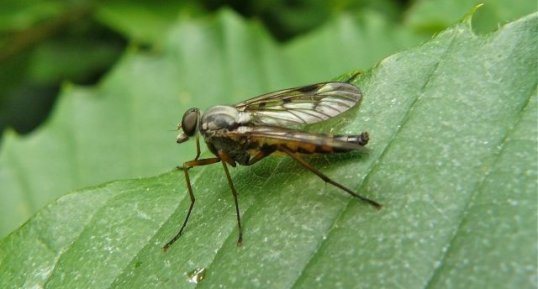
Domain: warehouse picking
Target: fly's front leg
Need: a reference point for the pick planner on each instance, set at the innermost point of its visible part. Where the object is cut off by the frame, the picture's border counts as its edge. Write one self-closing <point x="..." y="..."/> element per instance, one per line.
<point x="197" y="147"/>
<point x="186" y="166"/>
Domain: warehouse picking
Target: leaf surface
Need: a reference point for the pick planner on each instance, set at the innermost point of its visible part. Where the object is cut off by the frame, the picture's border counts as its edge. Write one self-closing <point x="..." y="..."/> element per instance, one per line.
<point x="453" y="158"/>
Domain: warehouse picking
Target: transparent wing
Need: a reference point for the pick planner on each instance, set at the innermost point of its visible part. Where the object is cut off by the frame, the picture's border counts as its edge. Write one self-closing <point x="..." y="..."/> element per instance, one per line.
<point x="301" y="105"/>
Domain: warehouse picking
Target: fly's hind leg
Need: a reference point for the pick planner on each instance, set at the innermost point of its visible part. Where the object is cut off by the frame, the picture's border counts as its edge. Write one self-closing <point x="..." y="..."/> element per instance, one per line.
<point x="327" y="179"/>
<point x="185" y="168"/>
<point x="227" y="159"/>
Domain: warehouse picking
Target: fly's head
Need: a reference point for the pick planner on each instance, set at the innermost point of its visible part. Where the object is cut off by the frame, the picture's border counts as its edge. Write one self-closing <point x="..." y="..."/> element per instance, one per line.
<point x="189" y="124"/>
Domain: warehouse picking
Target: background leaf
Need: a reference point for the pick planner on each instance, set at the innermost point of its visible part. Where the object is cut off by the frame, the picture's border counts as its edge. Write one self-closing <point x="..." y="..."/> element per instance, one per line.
<point x="453" y="159"/>
<point x="436" y="15"/>
<point x="44" y="43"/>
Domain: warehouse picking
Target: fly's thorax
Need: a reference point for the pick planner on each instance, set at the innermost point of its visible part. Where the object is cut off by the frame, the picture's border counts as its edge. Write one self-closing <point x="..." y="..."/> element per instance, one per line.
<point x="222" y="117"/>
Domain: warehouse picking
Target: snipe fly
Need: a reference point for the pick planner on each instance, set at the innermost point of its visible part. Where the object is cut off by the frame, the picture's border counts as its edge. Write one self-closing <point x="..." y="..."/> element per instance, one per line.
<point x="254" y="129"/>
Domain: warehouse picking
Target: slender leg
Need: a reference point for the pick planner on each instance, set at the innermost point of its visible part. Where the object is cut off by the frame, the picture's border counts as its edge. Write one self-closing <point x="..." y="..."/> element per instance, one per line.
<point x="234" y="192"/>
<point x="186" y="166"/>
<point x="327" y="179"/>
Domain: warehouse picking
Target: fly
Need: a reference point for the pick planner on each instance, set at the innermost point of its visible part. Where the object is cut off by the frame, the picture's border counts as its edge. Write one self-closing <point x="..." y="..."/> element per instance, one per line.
<point x="254" y="129"/>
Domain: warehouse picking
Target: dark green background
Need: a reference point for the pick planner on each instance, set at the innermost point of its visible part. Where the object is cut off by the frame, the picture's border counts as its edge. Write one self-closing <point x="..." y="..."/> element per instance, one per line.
<point x="46" y="43"/>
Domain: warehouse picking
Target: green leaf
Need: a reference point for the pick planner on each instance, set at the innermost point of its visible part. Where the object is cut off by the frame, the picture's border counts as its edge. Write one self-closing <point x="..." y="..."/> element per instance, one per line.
<point x="143" y="21"/>
<point x="22" y="14"/>
<point x="334" y="51"/>
<point x="434" y="16"/>
<point x="453" y="158"/>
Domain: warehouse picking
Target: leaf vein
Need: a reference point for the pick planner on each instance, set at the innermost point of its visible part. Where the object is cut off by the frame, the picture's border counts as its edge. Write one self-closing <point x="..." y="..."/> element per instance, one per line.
<point x="464" y="213"/>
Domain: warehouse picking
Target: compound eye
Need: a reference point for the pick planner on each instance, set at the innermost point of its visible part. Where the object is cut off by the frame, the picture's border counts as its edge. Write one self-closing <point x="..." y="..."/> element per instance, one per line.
<point x="190" y="121"/>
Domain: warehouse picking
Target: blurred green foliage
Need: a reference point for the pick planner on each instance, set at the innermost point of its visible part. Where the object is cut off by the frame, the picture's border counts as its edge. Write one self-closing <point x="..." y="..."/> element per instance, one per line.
<point x="46" y="42"/>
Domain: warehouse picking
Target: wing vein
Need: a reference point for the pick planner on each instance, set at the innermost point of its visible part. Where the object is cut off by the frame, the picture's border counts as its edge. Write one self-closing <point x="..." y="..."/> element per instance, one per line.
<point x="302" y="105"/>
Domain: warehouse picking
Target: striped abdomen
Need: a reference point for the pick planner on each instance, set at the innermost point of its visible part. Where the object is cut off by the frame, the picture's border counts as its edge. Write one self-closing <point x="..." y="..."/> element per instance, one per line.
<point x="302" y="142"/>
<point x="326" y="144"/>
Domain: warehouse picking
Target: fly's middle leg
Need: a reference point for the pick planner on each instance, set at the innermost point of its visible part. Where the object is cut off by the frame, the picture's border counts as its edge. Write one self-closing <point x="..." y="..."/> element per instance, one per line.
<point x="224" y="155"/>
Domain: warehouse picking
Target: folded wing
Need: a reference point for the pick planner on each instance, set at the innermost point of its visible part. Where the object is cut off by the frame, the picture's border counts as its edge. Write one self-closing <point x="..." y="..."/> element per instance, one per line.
<point x="303" y="105"/>
<point x="273" y="138"/>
